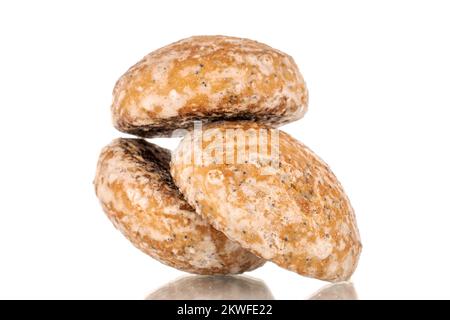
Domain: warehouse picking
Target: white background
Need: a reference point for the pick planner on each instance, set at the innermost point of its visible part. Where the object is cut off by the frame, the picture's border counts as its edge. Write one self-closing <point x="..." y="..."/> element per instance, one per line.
<point x="378" y="75"/>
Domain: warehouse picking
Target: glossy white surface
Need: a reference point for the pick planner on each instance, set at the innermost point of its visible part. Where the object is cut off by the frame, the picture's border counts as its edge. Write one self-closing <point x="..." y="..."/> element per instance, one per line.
<point x="379" y="111"/>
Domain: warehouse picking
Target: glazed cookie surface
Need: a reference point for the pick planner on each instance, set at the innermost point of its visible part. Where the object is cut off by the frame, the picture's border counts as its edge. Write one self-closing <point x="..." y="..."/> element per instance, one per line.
<point x="208" y="78"/>
<point x="137" y="193"/>
<point x="270" y="193"/>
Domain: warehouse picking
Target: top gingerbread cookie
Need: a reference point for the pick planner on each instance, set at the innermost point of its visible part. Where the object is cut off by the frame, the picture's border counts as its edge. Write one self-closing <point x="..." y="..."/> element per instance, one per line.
<point x="208" y="78"/>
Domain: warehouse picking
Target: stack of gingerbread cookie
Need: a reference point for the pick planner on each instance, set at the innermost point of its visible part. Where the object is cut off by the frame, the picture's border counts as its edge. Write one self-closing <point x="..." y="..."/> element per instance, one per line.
<point x="236" y="192"/>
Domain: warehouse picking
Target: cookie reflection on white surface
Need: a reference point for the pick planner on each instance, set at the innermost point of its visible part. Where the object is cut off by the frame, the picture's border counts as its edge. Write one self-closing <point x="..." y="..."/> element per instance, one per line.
<point x="213" y="288"/>
<point x="336" y="291"/>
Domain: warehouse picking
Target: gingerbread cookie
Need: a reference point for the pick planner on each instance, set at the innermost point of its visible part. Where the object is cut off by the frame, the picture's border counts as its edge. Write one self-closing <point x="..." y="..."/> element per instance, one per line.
<point x="136" y="191"/>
